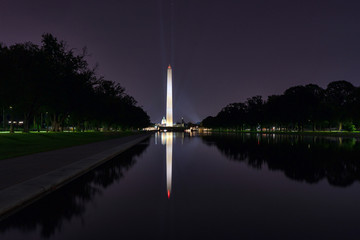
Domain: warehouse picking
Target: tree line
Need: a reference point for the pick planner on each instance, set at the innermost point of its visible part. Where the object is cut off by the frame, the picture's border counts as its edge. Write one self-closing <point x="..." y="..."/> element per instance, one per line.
<point x="299" y="108"/>
<point x="52" y="87"/>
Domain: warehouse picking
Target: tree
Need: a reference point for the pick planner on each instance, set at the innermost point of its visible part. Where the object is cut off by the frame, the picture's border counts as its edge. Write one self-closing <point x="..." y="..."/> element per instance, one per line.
<point x="340" y="95"/>
<point x="299" y="107"/>
<point x="255" y="111"/>
<point x="22" y="84"/>
<point x="54" y="80"/>
<point x="69" y="78"/>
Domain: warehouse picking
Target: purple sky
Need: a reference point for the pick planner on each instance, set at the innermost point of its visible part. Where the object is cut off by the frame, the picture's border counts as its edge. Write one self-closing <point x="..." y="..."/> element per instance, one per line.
<point x="221" y="51"/>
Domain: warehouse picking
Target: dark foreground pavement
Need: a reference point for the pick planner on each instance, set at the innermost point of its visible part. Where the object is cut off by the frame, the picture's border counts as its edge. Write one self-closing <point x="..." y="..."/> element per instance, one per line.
<point x="28" y="178"/>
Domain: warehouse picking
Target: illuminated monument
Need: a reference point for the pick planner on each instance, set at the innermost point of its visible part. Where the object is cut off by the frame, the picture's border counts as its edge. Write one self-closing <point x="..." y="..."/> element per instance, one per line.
<point x="169" y="105"/>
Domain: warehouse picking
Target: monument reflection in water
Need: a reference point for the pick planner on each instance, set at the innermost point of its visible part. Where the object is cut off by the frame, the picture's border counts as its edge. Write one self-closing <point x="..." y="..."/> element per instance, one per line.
<point x="167" y="139"/>
<point x="228" y="186"/>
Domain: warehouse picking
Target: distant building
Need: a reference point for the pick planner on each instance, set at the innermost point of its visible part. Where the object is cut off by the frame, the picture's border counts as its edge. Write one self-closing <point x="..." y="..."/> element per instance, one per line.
<point x="163" y="121"/>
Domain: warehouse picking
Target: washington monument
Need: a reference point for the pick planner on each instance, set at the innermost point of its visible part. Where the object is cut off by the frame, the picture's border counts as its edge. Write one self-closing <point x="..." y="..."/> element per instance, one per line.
<point x="169" y="105"/>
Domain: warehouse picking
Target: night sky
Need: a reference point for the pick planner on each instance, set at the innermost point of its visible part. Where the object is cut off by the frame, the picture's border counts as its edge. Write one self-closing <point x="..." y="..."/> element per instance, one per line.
<point x="221" y="51"/>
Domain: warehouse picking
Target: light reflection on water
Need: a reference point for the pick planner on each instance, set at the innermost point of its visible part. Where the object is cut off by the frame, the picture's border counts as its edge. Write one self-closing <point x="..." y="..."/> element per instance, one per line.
<point x="169" y="147"/>
<point x="167" y="140"/>
<point x="222" y="186"/>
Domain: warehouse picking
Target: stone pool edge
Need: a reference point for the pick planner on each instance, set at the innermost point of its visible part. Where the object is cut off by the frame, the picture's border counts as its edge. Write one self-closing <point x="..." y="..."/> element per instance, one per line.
<point x="18" y="196"/>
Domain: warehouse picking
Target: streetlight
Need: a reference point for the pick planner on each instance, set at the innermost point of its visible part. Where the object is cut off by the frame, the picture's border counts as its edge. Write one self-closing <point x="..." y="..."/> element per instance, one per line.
<point x="4" y="118"/>
<point x="46" y="121"/>
<point x="11" y="120"/>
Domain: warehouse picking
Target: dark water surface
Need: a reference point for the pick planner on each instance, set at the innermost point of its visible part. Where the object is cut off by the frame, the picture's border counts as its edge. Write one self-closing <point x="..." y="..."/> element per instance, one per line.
<point x="235" y="186"/>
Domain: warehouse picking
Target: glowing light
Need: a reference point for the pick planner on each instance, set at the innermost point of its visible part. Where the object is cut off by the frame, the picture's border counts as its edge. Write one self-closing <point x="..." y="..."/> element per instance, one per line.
<point x="169" y="105"/>
<point x="169" y="147"/>
<point x="163" y="121"/>
<point x="163" y="139"/>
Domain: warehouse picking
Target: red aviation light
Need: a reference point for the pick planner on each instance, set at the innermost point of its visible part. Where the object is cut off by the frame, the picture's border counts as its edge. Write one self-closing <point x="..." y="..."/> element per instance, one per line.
<point x="169" y="66"/>
<point x="168" y="194"/>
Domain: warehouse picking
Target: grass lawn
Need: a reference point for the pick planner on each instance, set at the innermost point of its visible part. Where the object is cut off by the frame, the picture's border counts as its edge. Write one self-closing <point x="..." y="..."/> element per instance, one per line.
<point x="18" y="144"/>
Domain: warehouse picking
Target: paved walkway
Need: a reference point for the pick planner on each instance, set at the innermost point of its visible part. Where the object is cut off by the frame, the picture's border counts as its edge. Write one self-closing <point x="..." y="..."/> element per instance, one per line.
<point x="24" y="179"/>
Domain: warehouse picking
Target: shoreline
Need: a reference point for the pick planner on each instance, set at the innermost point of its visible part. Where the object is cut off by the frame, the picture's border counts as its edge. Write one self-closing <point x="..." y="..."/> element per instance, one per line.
<point x="305" y="133"/>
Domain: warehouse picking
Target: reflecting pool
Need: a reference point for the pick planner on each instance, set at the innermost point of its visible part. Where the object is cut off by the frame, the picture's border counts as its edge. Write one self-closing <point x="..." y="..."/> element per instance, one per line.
<point x="210" y="186"/>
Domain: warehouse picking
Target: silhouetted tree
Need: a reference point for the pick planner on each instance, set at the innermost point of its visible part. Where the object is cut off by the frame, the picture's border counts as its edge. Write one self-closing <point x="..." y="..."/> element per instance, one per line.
<point x="255" y="111"/>
<point x="55" y="82"/>
<point x="300" y="107"/>
<point x="339" y="97"/>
